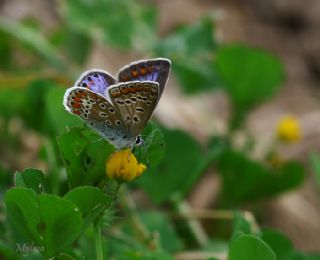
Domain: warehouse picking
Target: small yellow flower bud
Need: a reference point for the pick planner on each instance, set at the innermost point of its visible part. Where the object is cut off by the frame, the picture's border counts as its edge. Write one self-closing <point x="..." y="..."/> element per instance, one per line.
<point x="289" y="130"/>
<point x="123" y="166"/>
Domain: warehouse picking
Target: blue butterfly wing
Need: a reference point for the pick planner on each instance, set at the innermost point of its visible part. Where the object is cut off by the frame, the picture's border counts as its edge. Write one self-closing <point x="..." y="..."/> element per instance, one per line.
<point x="96" y="80"/>
<point x="156" y="70"/>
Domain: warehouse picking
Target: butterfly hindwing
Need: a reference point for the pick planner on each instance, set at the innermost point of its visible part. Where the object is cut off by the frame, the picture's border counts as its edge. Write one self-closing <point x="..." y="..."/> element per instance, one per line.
<point x="135" y="101"/>
<point x="96" y="80"/>
<point x="147" y="70"/>
<point x="96" y="111"/>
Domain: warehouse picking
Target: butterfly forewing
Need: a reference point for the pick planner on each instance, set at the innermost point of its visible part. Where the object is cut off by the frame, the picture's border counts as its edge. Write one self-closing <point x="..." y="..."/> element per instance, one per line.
<point x="136" y="102"/>
<point x="96" y="80"/>
<point x="147" y="70"/>
<point x="119" y="109"/>
<point x="96" y="111"/>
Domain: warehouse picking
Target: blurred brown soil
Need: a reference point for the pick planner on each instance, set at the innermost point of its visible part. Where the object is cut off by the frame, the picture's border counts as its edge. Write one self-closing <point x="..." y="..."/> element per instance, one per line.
<point x="288" y="28"/>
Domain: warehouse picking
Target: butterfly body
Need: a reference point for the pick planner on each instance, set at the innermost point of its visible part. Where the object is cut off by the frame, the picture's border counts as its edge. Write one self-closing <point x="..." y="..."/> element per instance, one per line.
<point x="120" y="109"/>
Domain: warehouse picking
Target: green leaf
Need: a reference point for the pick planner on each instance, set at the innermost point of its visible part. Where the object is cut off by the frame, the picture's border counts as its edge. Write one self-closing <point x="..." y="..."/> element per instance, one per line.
<point x="7" y="251"/>
<point x="289" y="176"/>
<point x="250" y="76"/>
<point x="59" y="118"/>
<point x="91" y="201"/>
<point x="305" y="256"/>
<point x="181" y="167"/>
<point x="33" y="38"/>
<point x="84" y="154"/>
<point x="6" y="51"/>
<point x="216" y="246"/>
<point x="123" y="24"/>
<point x="34" y="98"/>
<point x="61" y="222"/>
<point x="5" y="180"/>
<point x="240" y="226"/>
<point x="21" y="206"/>
<point x="249" y="247"/>
<point x="145" y="255"/>
<point x="279" y="243"/>
<point x="52" y="118"/>
<point x="247" y="180"/>
<point x="152" y="150"/>
<point x="160" y="223"/>
<point x="46" y="220"/>
<point x="191" y="49"/>
<point x="217" y="145"/>
<point x="30" y="178"/>
<point x="315" y="163"/>
<point x="77" y="46"/>
<point x="11" y="102"/>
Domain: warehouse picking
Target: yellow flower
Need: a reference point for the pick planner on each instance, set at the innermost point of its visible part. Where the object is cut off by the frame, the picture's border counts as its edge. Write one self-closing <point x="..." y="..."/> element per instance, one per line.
<point x="123" y="166"/>
<point x="289" y="130"/>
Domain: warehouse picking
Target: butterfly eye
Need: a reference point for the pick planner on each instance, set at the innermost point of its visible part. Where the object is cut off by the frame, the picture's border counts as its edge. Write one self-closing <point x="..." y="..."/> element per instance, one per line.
<point x="139" y="140"/>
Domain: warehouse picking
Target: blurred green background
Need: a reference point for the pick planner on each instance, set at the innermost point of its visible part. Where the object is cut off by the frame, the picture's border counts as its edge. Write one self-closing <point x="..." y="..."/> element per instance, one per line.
<point x="228" y="174"/>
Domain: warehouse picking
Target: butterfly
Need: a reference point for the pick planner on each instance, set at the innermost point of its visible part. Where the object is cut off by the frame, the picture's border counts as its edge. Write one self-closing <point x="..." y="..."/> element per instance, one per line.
<point x="119" y="108"/>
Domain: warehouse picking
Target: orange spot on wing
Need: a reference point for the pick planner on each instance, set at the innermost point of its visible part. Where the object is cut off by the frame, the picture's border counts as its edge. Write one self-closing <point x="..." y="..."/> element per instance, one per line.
<point x="134" y="73"/>
<point x="116" y="95"/>
<point x="124" y="91"/>
<point x="133" y="89"/>
<point x="76" y="105"/>
<point x="77" y="112"/>
<point x="143" y="71"/>
<point x="77" y="100"/>
<point x="81" y="94"/>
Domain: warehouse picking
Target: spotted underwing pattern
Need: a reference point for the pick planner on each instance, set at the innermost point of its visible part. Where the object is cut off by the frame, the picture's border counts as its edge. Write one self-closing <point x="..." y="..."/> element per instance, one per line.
<point x="147" y="70"/>
<point x="135" y="101"/>
<point x="97" y="112"/>
<point x="120" y="109"/>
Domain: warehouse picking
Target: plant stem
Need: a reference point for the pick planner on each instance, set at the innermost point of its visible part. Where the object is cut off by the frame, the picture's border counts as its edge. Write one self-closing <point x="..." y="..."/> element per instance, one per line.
<point x="130" y="205"/>
<point x="97" y="226"/>
<point x="183" y="208"/>
<point x="99" y="253"/>
<point x="53" y="165"/>
<point x="116" y="190"/>
<point x="194" y="224"/>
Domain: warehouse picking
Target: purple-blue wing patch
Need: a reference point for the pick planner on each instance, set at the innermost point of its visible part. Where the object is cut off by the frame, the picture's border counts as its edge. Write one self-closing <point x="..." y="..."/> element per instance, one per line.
<point x="97" y="81"/>
<point x="147" y="70"/>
